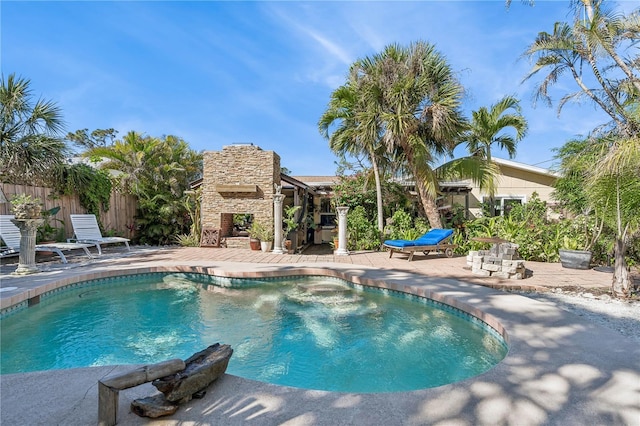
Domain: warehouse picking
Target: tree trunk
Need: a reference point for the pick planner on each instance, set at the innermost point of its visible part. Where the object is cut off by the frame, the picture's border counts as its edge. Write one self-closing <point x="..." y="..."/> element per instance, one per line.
<point x="621" y="282"/>
<point x="429" y="204"/>
<point x="376" y="174"/>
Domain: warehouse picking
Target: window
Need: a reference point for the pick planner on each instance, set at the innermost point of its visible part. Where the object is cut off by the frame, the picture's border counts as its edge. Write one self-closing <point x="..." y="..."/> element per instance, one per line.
<point x="327" y="219"/>
<point x="325" y="205"/>
<point x="502" y="205"/>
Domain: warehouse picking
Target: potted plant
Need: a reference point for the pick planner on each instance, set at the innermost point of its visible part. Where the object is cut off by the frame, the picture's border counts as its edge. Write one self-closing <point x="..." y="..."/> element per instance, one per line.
<point x="48" y="232"/>
<point x="254" y="235"/>
<point x="25" y="206"/>
<point x="290" y="225"/>
<point x="575" y="252"/>
<point x="264" y="233"/>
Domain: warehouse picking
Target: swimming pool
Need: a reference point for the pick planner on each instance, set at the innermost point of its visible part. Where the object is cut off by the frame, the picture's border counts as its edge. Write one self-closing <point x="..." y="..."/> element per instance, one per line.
<point x="309" y="332"/>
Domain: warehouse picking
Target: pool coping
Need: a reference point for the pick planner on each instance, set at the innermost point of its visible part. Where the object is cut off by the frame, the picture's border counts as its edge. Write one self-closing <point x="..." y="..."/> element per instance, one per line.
<point x="559" y="369"/>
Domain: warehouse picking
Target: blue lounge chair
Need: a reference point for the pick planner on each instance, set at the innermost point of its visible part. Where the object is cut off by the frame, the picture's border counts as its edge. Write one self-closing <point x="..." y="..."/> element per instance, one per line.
<point x="434" y="240"/>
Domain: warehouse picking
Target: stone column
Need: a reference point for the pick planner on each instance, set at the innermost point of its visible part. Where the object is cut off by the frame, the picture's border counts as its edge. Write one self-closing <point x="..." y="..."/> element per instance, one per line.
<point x="342" y="231"/>
<point x="277" y="223"/>
<point x="27" y="259"/>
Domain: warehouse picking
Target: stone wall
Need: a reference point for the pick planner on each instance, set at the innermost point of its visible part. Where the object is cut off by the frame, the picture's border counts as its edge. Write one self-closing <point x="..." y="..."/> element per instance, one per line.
<point x="502" y="261"/>
<point x="237" y="180"/>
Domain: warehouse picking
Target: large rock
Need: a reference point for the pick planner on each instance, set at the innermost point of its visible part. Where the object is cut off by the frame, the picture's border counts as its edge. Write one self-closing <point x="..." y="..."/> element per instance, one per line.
<point x="154" y="406"/>
<point x="201" y="370"/>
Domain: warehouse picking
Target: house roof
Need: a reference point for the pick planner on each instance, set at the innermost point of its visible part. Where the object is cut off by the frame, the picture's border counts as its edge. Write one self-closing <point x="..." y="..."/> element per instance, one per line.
<point x="525" y="167"/>
<point x="295" y="183"/>
<point x="317" y="181"/>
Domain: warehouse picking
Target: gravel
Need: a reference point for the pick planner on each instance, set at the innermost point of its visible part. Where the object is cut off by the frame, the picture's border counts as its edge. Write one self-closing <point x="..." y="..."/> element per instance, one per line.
<point x="621" y="316"/>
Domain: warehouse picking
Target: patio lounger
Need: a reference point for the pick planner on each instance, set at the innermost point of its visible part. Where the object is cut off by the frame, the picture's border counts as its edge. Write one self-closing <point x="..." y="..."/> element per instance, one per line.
<point x="436" y="239"/>
<point x="10" y="234"/>
<point x="86" y="230"/>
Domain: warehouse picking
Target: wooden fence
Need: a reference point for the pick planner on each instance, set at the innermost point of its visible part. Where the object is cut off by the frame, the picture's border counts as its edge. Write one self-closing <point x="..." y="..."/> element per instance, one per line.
<point x="119" y="218"/>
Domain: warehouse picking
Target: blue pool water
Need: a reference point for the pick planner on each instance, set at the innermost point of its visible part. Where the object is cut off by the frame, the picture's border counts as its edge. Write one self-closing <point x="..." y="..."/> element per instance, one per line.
<point x="307" y="332"/>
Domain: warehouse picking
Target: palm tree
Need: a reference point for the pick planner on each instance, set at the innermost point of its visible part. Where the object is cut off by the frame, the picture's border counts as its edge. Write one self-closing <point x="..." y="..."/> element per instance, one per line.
<point x="30" y="144"/>
<point x="595" y="39"/>
<point x="128" y="158"/>
<point x="357" y="132"/>
<point x="488" y="127"/>
<point x="157" y="171"/>
<point x="614" y="185"/>
<point x="420" y="116"/>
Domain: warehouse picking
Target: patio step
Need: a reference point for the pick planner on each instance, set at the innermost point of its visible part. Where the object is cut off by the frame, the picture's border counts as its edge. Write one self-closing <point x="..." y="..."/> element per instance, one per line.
<point x="237" y="242"/>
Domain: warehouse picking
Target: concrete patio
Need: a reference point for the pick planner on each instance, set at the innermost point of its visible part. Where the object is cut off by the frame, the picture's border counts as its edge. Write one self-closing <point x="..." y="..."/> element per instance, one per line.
<point x="560" y="370"/>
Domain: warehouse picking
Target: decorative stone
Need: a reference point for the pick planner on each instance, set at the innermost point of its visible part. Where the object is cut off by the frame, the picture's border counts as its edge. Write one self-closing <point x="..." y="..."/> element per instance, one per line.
<point x="500" y="264"/>
<point x="201" y="370"/>
<point x="501" y="274"/>
<point x="154" y="406"/>
<point x="491" y="267"/>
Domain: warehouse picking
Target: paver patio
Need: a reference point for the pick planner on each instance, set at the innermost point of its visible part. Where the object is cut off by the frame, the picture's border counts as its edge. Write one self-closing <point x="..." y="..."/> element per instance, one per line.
<point x="560" y="370"/>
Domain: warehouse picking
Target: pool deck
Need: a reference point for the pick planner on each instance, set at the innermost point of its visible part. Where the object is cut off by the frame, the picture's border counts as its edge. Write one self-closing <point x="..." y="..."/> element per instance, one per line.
<point x="560" y="370"/>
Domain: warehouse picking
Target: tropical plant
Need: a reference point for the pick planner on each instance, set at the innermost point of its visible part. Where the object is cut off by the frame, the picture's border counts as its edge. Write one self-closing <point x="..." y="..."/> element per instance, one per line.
<point x="92" y="186"/>
<point x="261" y="231"/>
<point x="157" y="171"/>
<point x="255" y="230"/>
<point x="289" y="220"/>
<point x="357" y="190"/>
<point x="416" y="97"/>
<point x="488" y="128"/>
<point x="598" y="38"/>
<point x="52" y="229"/>
<point x="193" y="204"/>
<point x="358" y="129"/>
<point x="30" y="144"/>
<point x="363" y="235"/>
<point x="403" y="226"/>
<point x="188" y="240"/>
<point x="614" y="187"/>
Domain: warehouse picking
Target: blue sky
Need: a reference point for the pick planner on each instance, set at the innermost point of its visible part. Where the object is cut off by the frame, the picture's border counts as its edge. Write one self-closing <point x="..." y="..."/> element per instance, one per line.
<point x="217" y="73"/>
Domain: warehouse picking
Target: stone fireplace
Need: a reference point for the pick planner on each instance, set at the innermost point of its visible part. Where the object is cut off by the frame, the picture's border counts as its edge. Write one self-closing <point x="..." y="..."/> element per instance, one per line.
<point x="239" y="179"/>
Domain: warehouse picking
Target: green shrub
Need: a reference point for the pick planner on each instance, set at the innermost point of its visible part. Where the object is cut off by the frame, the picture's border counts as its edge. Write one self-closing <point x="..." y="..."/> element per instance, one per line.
<point x="363" y="234"/>
<point x="188" y="240"/>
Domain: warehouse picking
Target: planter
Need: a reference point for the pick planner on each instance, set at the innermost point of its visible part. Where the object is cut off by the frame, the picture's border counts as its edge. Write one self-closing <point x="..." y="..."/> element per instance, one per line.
<point x="27" y="211"/>
<point x="254" y="244"/>
<point x="266" y="245"/>
<point x="575" y="259"/>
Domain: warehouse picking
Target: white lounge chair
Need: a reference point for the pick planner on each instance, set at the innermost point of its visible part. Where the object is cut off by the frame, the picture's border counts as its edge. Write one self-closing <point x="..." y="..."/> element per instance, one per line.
<point x="86" y="230"/>
<point x="10" y="234"/>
